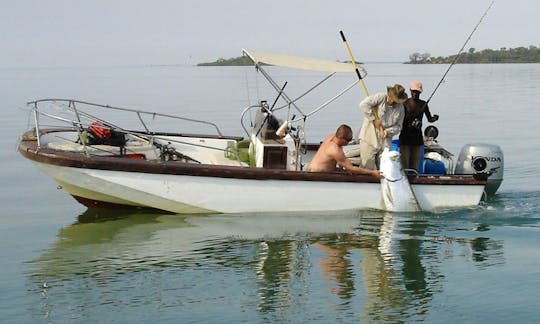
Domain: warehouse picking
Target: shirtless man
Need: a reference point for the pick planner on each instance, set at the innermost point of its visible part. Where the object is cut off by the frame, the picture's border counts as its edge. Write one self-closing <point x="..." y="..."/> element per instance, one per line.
<point x="331" y="153"/>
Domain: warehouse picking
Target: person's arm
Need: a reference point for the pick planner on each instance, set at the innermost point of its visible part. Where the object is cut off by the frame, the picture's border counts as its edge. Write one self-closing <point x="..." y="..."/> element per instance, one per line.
<point x="340" y="158"/>
<point x="371" y="102"/>
<point x="370" y="108"/>
<point x="430" y="118"/>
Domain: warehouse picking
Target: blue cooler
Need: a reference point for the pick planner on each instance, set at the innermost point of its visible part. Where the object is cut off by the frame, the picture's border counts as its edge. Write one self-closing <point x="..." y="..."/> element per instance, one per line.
<point x="434" y="167"/>
<point x="395" y="147"/>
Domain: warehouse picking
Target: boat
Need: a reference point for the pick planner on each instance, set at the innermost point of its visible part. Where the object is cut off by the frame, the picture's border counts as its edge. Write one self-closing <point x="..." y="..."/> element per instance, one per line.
<point x="109" y="156"/>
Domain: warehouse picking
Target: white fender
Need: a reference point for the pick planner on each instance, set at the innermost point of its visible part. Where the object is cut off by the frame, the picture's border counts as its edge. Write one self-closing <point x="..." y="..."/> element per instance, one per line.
<point x="396" y="190"/>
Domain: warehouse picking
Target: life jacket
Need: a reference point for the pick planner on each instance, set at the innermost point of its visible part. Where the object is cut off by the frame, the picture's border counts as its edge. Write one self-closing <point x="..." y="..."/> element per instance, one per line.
<point x="100" y="131"/>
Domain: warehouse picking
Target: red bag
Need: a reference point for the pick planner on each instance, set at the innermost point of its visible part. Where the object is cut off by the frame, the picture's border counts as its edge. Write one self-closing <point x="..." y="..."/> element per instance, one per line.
<point x="100" y="131"/>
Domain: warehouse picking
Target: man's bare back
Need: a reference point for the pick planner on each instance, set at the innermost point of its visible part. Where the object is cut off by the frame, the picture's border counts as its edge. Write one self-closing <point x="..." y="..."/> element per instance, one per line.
<point x="327" y="156"/>
<point x="330" y="154"/>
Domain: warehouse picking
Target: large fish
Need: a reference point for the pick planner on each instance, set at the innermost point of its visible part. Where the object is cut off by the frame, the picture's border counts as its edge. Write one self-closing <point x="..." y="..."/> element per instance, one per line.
<point x="396" y="190"/>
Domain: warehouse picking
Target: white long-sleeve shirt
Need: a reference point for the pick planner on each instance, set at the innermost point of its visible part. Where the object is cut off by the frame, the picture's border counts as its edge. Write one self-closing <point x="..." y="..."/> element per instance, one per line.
<point x="391" y="119"/>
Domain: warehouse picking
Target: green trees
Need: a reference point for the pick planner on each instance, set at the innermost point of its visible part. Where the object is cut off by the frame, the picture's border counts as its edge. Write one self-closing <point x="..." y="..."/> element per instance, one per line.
<point x="417" y="58"/>
<point x="235" y="61"/>
<point x="503" y="55"/>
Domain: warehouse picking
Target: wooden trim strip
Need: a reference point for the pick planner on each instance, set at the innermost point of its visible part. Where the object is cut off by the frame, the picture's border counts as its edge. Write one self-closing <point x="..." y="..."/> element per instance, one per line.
<point x="28" y="148"/>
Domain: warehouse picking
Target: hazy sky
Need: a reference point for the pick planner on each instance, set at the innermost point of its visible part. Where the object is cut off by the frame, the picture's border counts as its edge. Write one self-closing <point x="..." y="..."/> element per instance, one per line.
<point x="126" y="32"/>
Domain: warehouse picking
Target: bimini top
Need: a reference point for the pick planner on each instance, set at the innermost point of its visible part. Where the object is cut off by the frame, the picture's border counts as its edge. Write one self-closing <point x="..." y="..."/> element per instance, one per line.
<point x="297" y="62"/>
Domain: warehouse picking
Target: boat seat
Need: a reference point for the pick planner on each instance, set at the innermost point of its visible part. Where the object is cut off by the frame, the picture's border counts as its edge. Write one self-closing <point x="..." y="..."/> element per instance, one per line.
<point x="352" y="153"/>
<point x="355" y="160"/>
<point x="218" y="158"/>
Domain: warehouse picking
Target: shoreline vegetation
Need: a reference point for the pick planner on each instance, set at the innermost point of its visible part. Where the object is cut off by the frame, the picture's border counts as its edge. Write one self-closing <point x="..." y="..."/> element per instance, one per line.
<point x="235" y="61"/>
<point x="241" y="61"/>
<point x="503" y="55"/>
<point x="529" y="54"/>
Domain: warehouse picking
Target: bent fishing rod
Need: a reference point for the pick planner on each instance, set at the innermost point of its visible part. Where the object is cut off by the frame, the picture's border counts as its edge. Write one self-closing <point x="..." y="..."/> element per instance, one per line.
<point x="458" y="54"/>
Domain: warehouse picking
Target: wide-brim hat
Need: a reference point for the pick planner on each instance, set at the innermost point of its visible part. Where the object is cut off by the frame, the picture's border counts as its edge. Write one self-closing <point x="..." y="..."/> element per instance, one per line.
<point x="397" y="93"/>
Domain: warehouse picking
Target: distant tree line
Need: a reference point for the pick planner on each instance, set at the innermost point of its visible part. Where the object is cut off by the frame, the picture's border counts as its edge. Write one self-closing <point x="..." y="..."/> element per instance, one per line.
<point x="503" y="55"/>
<point x="235" y="61"/>
<point x="240" y="61"/>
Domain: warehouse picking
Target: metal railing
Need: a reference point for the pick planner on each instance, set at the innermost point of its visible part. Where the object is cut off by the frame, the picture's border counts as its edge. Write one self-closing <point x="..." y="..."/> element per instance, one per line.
<point x="71" y="104"/>
<point x="77" y="121"/>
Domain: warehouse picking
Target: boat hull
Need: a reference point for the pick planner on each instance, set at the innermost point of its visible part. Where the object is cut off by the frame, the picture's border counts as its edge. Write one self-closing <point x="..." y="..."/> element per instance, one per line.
<point x="191" y="188"/>
<point x="196" y="194"/>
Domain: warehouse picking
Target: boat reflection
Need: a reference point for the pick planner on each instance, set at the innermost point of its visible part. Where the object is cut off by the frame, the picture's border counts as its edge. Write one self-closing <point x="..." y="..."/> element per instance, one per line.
<point x="387" y="265"/>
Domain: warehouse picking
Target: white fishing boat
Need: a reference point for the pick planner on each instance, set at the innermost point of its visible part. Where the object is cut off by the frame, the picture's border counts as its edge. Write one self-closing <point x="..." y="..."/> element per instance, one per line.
<point x="94" y="154"/>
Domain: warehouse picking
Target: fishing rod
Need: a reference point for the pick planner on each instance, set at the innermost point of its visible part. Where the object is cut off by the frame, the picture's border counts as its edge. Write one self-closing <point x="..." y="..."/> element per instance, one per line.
<point x="360" y="78"/>
<point x="353" y="62"/>
<point x="458" y="54"/>
<point x="269" y="110"/>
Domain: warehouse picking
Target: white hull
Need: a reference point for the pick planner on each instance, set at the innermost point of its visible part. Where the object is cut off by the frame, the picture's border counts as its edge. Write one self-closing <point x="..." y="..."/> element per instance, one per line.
<point x="430" y="197"/>
<point x="200" y="194"/>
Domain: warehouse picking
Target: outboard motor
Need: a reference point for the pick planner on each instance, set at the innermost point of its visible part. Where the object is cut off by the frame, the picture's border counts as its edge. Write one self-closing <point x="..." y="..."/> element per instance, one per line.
<point x="482" y="158"/>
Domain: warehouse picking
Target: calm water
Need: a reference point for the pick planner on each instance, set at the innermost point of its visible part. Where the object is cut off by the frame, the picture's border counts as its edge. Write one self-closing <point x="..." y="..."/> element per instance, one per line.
<point x="62" y="263"/>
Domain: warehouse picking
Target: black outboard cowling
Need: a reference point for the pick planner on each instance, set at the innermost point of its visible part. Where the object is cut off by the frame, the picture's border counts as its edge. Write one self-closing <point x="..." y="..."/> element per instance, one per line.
<point x="482" y="158"/>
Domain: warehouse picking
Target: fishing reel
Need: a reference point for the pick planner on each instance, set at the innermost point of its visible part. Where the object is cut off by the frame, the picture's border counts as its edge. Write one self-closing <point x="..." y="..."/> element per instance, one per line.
<point x="168" y="153"/>
<point x="417" y="123"/>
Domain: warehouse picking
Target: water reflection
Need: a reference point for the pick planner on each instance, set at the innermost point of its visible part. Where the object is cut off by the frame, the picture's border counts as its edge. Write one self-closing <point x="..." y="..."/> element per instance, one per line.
<point x="370" y="265"/>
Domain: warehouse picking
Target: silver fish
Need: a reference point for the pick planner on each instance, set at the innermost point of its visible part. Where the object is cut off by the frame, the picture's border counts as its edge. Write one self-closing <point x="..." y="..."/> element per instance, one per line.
<point x="396" y="190"/>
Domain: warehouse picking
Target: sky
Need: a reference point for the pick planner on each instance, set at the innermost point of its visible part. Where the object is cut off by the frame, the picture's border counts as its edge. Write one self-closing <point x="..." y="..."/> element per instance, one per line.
<point x="51" y="33"/>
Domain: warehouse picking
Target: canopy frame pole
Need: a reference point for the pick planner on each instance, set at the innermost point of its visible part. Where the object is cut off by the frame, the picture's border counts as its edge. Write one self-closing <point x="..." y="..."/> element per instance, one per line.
<point x="273" y="83"/>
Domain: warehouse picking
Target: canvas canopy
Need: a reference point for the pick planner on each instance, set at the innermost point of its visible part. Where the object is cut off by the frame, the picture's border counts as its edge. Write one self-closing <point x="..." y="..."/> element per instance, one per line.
<point x="297" y="62"/>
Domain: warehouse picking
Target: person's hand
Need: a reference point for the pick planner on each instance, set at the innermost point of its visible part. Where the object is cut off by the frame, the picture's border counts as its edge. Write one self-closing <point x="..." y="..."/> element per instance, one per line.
<point x="377" y="174"/>
<point x="383" y="134"/>
<point x="377" y="123"/>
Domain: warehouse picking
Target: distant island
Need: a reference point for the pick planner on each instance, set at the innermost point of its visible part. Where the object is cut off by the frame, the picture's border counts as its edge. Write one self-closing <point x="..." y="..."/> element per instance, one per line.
<point x="235" y="61"/>
<point x="240" y="61"/>
<point x="503" y="55"/>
